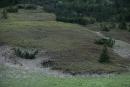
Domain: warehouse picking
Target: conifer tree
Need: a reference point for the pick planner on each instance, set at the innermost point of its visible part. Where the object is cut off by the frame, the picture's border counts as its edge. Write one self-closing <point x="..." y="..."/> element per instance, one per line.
<point x="104" y="57"/>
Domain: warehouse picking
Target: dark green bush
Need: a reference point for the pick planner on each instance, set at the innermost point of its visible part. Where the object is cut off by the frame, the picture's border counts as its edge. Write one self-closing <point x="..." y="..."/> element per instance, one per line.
<point x="122" y="26"/>
<point x="26" y="53"/>
<point x="12" y="9"/>
<point x="129" y="28"/>
<point x="112" y="25"/>
<point x="27" y="6"/>
<point x="70" y="19"/>
<point x="104" y="27"/>
<point x="20" y="6"/>
<point x="104" y="57"/>
<point x="76" y="19"/>
<point x="88" y="20"/>
<point x="108" y="41"/>
<point x="48" y="63"/>
<point x="30" y="6"/>
<point x="4" y="14"/>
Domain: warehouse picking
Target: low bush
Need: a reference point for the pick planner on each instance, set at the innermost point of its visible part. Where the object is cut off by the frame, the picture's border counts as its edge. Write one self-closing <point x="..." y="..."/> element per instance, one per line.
<point x="112" y="25"/>
<point x="26" y="53"/>
<point x="20" y="6"/>
<point x="12" y="9"/>
<point x="122" y="25"/>
<point x="78" y="20"/>
<point x="88" y="20"/>
<point x="104" y="27"/>
<point x="108" y="41"/>
<point x="30" y="6"/>
<point x="48" y="63"/>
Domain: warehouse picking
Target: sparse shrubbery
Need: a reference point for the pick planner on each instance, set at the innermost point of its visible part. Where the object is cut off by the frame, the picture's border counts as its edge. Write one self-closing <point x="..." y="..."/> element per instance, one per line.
<point x="129" y="28"/>
<point x="104" y="57"/>
<point x="30" y="6"/>
<point x="107" y="26"/>
<point x="20" y="6"/>
<point x="112" y="25"/>
<point x="12" y="9"/>
<point x="27" y="6"/>
<point x="89" y="20"/>
<point x="122" y="25"/>
<point x="108" y="41"/>
<point x="104" y="27"/>
<point x="26" y="53"/>
<point x="48" y="63"/>
<point x="76" y="19"/>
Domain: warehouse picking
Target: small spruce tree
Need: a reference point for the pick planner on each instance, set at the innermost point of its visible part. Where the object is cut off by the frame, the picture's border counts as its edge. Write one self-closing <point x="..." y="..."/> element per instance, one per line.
<point x="104" y="57"/>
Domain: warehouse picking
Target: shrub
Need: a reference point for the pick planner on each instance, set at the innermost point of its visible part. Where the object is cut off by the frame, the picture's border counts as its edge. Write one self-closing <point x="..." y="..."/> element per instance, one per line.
<point x="30" y="7"/>
<point x="88" y="20"/>
<point x="4" y="14"/>
<point x="104" y="27"/>
<point x="12" y="9"/>
<point x="75" y="19"/>
<point x="112" y="25"/>
<point x="122" y="26"/>
<point x="129" y="28"/>
<point x="26" y="53"/>
<point x="20" y="6"/>
<point x="48" y="63"/>
<point x="104" y="57"/>
<point x="108" y="41"/>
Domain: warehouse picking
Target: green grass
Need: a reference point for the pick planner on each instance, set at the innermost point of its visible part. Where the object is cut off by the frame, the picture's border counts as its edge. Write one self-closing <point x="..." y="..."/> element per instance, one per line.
<point x="41" y="80"/>
<point x="119" y="81"/>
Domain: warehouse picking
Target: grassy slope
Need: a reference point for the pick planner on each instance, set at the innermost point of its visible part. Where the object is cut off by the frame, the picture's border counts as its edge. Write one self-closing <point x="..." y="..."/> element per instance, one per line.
<point x="72" y="46"/>
<point x="119" y="34"/>
<point x="114" y="33"/>
<point x="16" y="78"/>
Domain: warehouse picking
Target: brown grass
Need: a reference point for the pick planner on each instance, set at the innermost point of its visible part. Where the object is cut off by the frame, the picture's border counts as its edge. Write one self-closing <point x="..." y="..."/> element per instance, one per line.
<point x="70" y="45"/>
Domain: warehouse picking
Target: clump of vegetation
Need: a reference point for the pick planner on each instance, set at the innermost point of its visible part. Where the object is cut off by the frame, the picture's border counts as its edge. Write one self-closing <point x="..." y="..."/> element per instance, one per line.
<point x="89" y="20"/>
<point x="71" y="19"/>
<point x="104" y="27"/>
<point x="108" y="41"/>
<point x="76" y="19"/>
<point x="27" y="6"/>
<point x="48" y="63"/>
<point x="30" y="6"/>
<point x="129" y="28"/>
<point x="122" y="26"/>
<point x="112" y="25"/>
<point x="26" y="53"/>
<point x="20" y="6"/>
<point x="12" y="9"/>
<point x="4" y="14"/>
<point x="104" y="57"/>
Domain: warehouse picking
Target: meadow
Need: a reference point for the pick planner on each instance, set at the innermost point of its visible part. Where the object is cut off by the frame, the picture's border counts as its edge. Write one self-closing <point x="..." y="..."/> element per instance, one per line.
<point x="70" y="45"/>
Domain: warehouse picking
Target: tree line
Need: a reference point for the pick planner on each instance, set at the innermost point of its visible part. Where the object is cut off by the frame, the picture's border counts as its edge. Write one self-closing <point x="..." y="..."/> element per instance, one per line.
<point x="82" y="11"/>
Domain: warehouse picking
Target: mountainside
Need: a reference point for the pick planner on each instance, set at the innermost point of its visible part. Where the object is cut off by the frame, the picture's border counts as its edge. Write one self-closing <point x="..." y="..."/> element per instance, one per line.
<point x="64" y="43"/>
